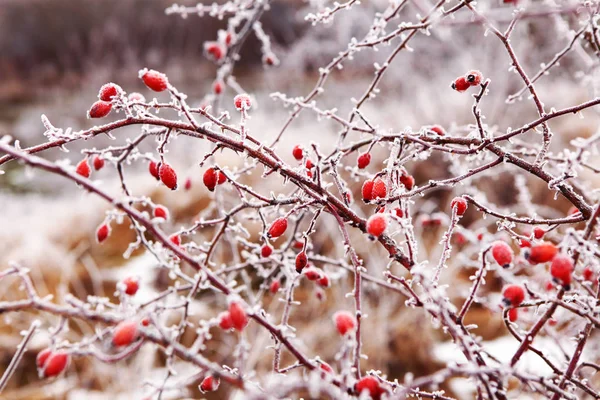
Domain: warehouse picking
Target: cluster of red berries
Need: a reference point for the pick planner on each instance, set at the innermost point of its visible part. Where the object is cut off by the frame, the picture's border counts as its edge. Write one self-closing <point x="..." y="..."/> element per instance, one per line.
<point x="212" y="178"/>
<point x="163" y="172"/>
<point x="51" y="363"/>
<point x="298" y="153"/>
<point x="216" y="49"/>
<point x="83" y="167"/>
<point x="471" y="78"/>
<point x="234" y="318"/>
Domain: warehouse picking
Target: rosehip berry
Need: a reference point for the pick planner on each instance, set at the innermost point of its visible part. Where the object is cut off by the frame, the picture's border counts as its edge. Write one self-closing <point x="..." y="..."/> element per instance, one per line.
<point x="561" y="270"/>
<point x="371" y="385"/>
<point x="153" y="169"/>
<point x="221" y="178"/>
<point x="474" y="77"/>
<point x="309" y="164"/>
<point x="210" y="179"/>
<point x="266" y="251"/>
<point x="459" y="238"/>
<point x="376" y="224"/>
<point x="275" y="285"/>
<point x="301" y="261"/>
<point x="125" y="333"/>
<point x="460" y="84"/>
<point x="161" y="212"/>
<point x="312" y="274"/>
<point x="408" y="181"/>
<point x="188" y="184"/>
<point x="324" y="281"/>
<point x="399" y="213"/>
<point x="145" y="321"/>
<point x="379" y="188"/>
<point x="209" y="384"/>
<point x="42" y="356"/>
<point x="363" y="160"/>
<point x="298" y="244"/>
<point x="460" y="204"/>
<point x="228" y="38"/>
<point x="168" y="176"/>
<point x="538" y="232"/>
<point x="278" y="227"/>
<point x="513" y="315"/>
<point x="99" y="109"/>
<point x="549" y="286"/>
<point x="83" y="168"/>
<point x="523" y="243"/>
<point x="239" y="318"/>
<point x="588" y="274"/>
<point x="131" y="284"/>
<point x="225" y="322"/>
<point x="298" y="152"/>
<point x="325" y="367"/>
<point x="438" y="130"/>
<point x="102" y="233"/>
<point x="242" y="102"/>
<point x="175" y="239"/>
<point x="367" y="190"/>
<point x="154" y="80"/>
<point x="54" y="363"/>
<point x="541" y="253"/>
<point x="98" y="162"/>
<point x="502" y="253"/>
<point x="513" y="295"/>
<point x="108" y="91"/>
<point x="214" y="50"/>
<point x="344" y="322"/>
<point x="218" y="87"/>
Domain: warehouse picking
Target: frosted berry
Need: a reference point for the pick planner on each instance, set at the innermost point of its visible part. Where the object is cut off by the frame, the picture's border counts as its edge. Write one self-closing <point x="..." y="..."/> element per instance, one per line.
<point x="242" y="102"/>
<point x="513" y="315"/>
<point x="125" y="333"/>
<point x="408" y="181"/>
<point x="502" y="253"/>
<point x="153" y="169"/>
<point x="266" y="251"/>
<point x="312" y="274"/>
<point x="214" y="50"/>
<point x="42" y="356"/>
<point x="367" y="190"/>
<point x="301" y="261"/>
<point x="298" y="152"/>
<point x="376" y="224"/>
<point x="323" y="366"/>
<point x="108" y="91"/>
<point x="218" y="87"/>
<point x="344" y="322"/>
<point x="221" y="178"/>
<point x="175" y="239"/>
<point x="309" y="164"/>
<point x="188" y="184"/>
<point x="83" y="168"/>
<point x="561" y="270"/>
<point x="102" y="233"/>
<point x="474" y="77"/>
<point x="399" y="213"/>
<point x="541" y="253"/>
<point x="588" y="274"/>
<point x="155" y="80"/>
<point x="278" y="227"/>
<point x="324" y="281"/>
<point x="438" y="130"/>
<point x="98" y="162"/>
<point x="275" y="285"/>
<point x="460" y="204"/>
<point x="363" y="160"/>
<point x="99" y="109"/>
<point x="371" y="385"/>
<point x="538" y="232"/>
<point x="225" y="322"/>
<point x="54" y="364"/>
<point x="460" y="84"/>
<point x="168" y="176"/>
<point x="209" y="384"/>
<point x="161" y="212"/>
<point x="131" y="285"/>
<point x="210" y="179"/>
<point x="239" y="318"/>
<point x="513" y="295"/>
<point x="379" y="188"/>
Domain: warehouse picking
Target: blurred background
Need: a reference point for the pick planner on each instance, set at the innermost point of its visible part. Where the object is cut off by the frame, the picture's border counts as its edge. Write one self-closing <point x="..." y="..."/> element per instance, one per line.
<point x="55" y="55"/>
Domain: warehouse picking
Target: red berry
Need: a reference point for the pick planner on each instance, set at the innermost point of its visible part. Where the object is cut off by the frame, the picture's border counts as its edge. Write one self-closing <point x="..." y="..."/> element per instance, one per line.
<point x="55" y="363"/>
<point x="153" y="169"/>
<point x="538" y="232"/>
<point x="460" y="204"/>
<point x="228" y="38"/>
<point x="524" y="243"/>
<point x="218" y="87"/>
<point x="474" y="77"/>
<point x="513" y="315"/>
<point x="460" y="84"/>
<point x="108" y="91"/>
<point x="309" y="164"/>
<point x="99" y="109"/>
<point x="364" y="160"/>
<point x="312" y="274"/>
<point x="367" y="190"/>
<point x="399" y="212"/>
<point x="298" y="152"/>
<point x="278" y="227"/>
<point x="225" y="322"/>
<point x="275" y="285"/>
<point x="145" y="321"/>
<point x="588" y="274"/>
<point x="125" y="333"/>
<point x="266" y="251"/>
<point x="371" y="385"/>
<point x="561" y="269"/>
<point x="379" y="188"/>
<point x="102" y="232"/>
<point x="161" y="212"/>
<point x="408" y="181"/>
<point x="513" y="295"/>
<point x="214" y="50"/>
<point x="210" y="179"/>
<point x="98" y="162"/>
<point x="376" y="224"/>
<point x="242" y="102"/>
<point x="168" y="176"/>
<point x="155" y="80"/>
<point x="541" y="253"/>
<point x="42" y="356"/>
<point x="239" y="318"/>
<point x="549" y="286"/>
<point x="324" y="281"/>
<point x="221" y="178"/>
<point x="502" y="253"/>
<point x="438" y="130"/>
<point x="344" y="322"/>
<point x="132" y="284"/>
<point x="301" y="261"/>
<point x="175" y="239"/>
<point x="188" y="184"/>
<point x="325" y="367"/>
<point x="83" y="168"/>
<point x="298" y="244"/>
<point x="209" y="384"/>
